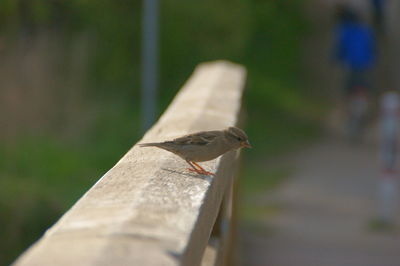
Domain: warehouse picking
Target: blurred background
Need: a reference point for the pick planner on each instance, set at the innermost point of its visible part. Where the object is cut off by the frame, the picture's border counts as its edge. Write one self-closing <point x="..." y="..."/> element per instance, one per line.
<point x="70" y="95"/>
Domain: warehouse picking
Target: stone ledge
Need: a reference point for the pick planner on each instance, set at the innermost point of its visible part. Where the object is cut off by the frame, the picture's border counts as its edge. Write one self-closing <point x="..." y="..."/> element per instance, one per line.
<point x="148" y="209"/>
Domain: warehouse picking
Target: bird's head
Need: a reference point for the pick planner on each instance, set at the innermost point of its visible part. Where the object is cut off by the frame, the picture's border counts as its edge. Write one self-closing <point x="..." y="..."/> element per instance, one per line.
<point x="237" y="137"/>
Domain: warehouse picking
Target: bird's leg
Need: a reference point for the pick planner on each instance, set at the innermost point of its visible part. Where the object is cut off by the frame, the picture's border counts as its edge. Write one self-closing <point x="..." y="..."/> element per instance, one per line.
<point x="194" y="169"/>
<point x="202" y="169"/>
<point x="199" y="169"/>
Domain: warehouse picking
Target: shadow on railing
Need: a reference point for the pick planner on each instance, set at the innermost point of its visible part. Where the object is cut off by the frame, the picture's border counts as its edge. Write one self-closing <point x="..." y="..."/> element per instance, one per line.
<point x="147" y="209"/>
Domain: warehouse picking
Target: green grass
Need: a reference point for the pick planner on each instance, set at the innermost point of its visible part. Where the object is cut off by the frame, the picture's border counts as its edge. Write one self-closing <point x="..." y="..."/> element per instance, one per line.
<point x="258" y="180"/>
<point x="39" y="180"/>
<point x="380" y="225"/>
<point x="281" y="113"/>
<point x="42" y="176"/>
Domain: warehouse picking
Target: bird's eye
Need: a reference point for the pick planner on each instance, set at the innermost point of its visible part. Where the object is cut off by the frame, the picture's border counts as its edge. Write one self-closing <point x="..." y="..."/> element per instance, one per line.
<point x="239" y="139"/>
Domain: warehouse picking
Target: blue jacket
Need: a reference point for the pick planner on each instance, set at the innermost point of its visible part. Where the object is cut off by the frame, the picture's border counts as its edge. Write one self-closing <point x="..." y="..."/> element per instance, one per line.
<point x="355" y="45"/>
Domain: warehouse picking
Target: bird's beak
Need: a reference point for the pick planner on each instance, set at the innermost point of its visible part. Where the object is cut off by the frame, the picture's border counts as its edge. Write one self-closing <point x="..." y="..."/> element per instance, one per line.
<point x="246" y="144"/>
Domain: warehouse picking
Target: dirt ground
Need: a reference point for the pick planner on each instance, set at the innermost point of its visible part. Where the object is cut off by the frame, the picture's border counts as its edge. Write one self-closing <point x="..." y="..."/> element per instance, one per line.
<point x="324" y="211"/>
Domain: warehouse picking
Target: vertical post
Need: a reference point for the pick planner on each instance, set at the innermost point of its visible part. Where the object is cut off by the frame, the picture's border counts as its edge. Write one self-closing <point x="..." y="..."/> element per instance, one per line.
<point x="390" y="110"/>
<point x="149" y="62"/>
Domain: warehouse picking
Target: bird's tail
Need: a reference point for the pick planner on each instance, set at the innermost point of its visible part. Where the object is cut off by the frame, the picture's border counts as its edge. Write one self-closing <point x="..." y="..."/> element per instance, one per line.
<point x="152" y="144"/>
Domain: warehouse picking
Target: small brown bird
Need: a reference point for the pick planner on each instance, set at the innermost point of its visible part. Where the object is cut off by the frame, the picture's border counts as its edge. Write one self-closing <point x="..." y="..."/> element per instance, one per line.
<point x="204" y="146"/>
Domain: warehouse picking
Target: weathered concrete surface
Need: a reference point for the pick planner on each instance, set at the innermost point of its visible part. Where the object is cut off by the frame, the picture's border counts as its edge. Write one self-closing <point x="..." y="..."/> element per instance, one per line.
<point x="148" y="209"/>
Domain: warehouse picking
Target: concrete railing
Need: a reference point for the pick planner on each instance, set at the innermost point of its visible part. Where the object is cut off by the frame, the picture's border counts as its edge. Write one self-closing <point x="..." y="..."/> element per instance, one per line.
<point x="148" y="209"/>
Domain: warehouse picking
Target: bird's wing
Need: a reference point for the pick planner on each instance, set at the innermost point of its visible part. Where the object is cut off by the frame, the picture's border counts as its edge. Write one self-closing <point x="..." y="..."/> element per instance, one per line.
<point x="200" y="138"/>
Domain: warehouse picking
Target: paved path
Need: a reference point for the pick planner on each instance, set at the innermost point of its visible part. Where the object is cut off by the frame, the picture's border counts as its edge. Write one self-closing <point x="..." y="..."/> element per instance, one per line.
<point x="324" y="212"/>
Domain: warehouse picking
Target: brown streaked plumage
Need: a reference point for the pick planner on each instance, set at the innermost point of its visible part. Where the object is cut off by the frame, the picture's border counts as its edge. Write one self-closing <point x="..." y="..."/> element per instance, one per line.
<point x="204" y="146"/>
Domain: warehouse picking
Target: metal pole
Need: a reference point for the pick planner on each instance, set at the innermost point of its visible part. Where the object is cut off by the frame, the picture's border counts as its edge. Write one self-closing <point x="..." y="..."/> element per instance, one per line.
<point x="149" y="62"/>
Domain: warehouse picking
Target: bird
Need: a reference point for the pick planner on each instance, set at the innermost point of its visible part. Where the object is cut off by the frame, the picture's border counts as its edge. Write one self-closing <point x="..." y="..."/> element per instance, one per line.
<point x="204" y="146"/>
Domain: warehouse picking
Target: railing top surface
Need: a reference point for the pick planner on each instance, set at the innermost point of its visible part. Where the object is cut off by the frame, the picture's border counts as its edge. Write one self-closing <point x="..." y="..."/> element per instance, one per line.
<point x="147" y="209"/>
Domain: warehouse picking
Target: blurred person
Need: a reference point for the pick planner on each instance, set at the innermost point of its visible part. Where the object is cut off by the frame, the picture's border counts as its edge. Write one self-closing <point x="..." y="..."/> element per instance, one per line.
<point x="355" y="51"/>
<point x="355" y="47"/>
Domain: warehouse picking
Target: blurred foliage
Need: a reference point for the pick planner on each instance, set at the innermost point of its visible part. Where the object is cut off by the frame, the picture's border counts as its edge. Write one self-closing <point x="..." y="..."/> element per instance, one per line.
<point x="258" y="180"/>
<point x="44" y="172"/>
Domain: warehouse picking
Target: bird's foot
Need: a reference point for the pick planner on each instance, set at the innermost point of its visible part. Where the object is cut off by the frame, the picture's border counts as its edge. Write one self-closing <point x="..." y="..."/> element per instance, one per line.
<point x="201" y="171"/>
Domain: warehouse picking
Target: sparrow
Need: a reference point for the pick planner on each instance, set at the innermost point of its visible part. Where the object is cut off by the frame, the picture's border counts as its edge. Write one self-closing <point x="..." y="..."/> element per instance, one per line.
<point x="204" y="146"/>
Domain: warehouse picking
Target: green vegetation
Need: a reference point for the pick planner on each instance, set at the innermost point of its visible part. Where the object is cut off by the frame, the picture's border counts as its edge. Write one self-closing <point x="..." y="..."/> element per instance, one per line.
<point x="45" y="169"/>
<point x="281" y="113"/>
<point x="380" y="225"/>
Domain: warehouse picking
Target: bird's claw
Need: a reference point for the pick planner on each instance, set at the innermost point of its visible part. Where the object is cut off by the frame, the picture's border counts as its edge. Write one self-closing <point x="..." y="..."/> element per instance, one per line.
<point x="201" y="172"/>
